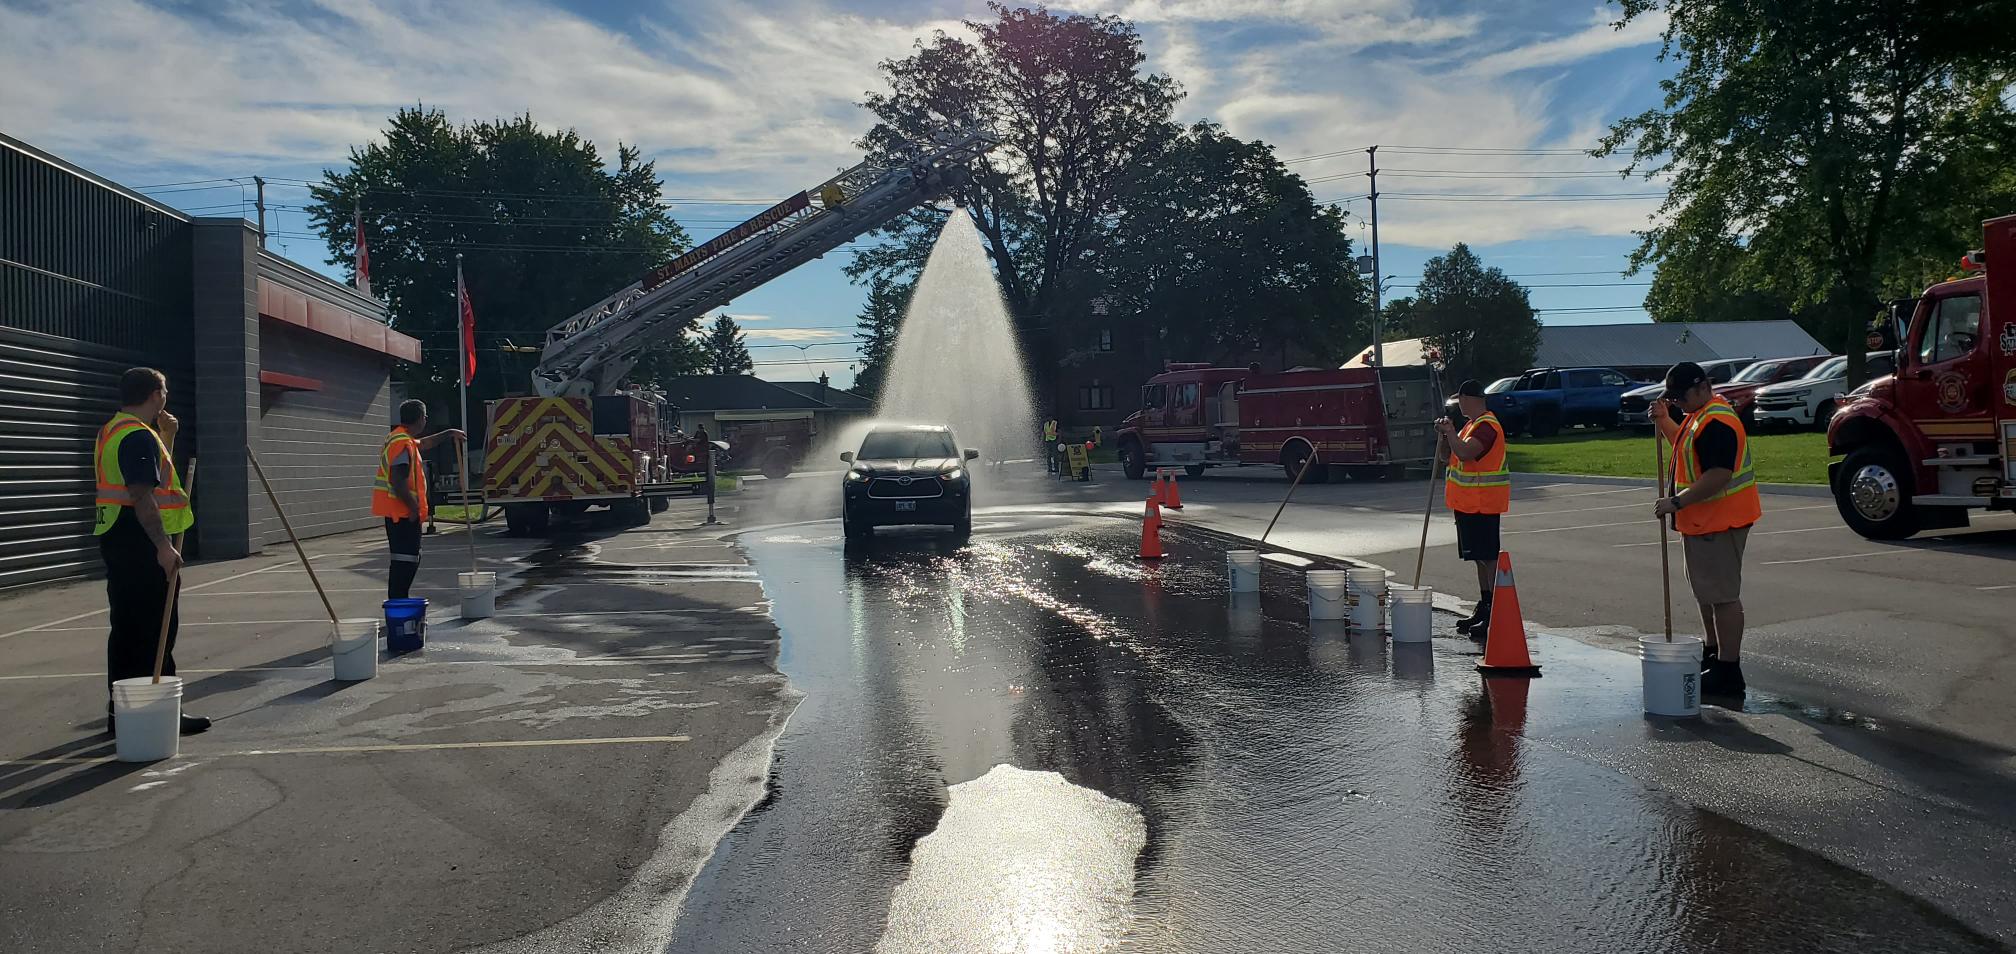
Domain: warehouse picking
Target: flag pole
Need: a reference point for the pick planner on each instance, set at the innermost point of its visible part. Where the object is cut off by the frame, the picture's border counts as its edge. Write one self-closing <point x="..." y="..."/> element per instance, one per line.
<point x="462" y="381"/>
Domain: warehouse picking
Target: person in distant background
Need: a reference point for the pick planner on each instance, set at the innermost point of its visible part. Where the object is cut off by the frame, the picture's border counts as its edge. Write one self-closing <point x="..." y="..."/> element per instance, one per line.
<point x="400" y="493"/>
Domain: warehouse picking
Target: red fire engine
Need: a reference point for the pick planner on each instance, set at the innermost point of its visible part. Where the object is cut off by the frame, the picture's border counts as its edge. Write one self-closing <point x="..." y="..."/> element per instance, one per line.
<point x="1349" y="421"/>
<point x="1938" y="438"/>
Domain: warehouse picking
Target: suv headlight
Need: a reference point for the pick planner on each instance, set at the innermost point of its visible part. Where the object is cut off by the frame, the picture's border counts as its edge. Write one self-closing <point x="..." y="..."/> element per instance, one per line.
<point x="1801" y="393"/>
<point x="956" y="473"/>
<point x="855" y="477"/>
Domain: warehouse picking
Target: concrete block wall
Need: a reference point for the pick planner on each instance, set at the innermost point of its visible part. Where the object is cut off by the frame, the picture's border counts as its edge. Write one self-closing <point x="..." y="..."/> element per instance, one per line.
<point x="320" y="448"/>
<point x="228" y="501"/>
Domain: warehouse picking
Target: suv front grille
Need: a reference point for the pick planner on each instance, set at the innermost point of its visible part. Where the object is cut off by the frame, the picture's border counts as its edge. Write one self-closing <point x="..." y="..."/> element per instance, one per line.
<point x="1632" y="404"/>
<point x="894" y="488"/>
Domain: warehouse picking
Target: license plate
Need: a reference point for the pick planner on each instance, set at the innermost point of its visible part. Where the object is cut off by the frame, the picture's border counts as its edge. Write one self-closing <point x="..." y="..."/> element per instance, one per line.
<point x="905" y="506"/>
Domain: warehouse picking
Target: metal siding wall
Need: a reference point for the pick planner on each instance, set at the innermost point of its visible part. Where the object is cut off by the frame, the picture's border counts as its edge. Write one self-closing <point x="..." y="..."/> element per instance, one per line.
<point x="92" y="282"/>
<point x="320" y="448"/>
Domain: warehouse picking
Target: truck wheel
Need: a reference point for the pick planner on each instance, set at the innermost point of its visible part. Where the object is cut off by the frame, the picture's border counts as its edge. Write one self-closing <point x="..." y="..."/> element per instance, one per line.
<point x="1132" y="462"/>
<point x="1545" y="422"/>
<point x="660" y="504"/>
<point x="1298" y="455"/>
<point x="1874" y="494"/>
<point x="777" y="465"/>
<point x="525" y="520"/>
<point x="1194" y="470"/>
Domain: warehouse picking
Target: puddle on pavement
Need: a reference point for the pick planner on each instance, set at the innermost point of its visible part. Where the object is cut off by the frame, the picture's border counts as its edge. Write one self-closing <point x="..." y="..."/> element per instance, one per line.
<point x="1298" y="790"/>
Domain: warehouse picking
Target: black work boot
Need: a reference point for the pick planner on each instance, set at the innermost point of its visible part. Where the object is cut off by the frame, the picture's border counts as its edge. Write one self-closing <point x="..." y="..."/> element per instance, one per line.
<point x="1480" y="619"/>
<point x="1723" y="678"/>
<point x="1707" y="656"/>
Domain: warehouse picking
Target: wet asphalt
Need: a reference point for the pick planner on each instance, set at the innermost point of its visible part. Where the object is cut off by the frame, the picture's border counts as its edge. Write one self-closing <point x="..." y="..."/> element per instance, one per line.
<point x="1029" y="740"/>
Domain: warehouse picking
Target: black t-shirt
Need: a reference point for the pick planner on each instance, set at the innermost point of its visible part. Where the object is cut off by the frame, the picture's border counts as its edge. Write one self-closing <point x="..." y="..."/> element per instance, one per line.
<point x="140" y="467"/>
<point x="1715" y="446"/>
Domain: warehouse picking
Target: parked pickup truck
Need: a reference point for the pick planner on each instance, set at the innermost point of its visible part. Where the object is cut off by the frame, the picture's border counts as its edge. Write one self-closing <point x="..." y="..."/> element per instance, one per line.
<point x="1548" y="399"/>
<point x="1809" y="401"/>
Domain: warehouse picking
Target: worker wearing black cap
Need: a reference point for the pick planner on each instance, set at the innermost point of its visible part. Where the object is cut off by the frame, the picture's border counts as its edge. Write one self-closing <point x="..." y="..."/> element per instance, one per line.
<point x="1714" y="505"/>
<point x="1478" y="488"/>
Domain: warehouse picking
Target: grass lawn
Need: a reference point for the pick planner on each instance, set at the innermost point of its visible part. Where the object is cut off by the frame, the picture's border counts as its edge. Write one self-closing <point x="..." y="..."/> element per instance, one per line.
<point x="1782" y="458"/>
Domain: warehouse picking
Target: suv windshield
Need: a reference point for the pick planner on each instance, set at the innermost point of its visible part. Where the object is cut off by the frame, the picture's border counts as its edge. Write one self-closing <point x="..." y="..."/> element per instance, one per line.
<point x="1761" y="371"/>
<point x="893" y="445"/>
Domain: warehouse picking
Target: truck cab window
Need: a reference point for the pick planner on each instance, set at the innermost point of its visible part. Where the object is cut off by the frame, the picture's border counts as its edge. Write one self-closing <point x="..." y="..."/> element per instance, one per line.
<point x="1152" y="395"/>
<point x="1186" y="396"/>
<point x="1953" y="330"/>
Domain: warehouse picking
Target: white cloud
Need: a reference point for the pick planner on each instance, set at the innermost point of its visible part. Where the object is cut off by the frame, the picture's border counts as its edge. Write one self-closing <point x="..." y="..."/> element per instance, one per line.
<point x="1602" y="36"/>
<point x="799" y="335"/>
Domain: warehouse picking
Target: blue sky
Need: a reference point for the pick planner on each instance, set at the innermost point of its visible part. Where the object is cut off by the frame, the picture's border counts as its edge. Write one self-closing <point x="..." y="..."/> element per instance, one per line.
<point x="754" y="100"/>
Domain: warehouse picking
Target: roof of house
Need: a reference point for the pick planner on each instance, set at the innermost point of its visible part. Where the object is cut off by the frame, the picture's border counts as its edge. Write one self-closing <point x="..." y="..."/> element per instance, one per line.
<point x="734" y="392"/>
<point x="839" y="399"/>
<point x="1642" y="344"/>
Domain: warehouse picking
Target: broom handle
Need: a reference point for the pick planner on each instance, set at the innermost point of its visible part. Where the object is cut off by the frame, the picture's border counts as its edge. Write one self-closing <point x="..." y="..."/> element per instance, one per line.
<point x="1421" y="554"/>
<point x="1665" y="560"/>
<point x="289" y="527"/>
<point x="469" y="522"/>
<point x="168" y="605"/>
<point x="1306" y="461"/>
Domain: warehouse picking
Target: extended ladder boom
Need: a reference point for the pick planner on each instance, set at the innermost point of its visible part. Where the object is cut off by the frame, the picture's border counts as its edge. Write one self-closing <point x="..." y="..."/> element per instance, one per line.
<point x="591" y="352"/>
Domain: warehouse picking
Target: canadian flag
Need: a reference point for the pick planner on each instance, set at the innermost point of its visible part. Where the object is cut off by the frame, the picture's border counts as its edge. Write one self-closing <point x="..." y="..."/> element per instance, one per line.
<point x="467" y="314"/>
<point x="363" y="257"/>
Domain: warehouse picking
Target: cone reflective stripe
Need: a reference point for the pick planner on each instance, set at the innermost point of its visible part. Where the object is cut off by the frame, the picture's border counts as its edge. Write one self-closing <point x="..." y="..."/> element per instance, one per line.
<point x="1156" y="493"/>
<point x="1505" y="652"/>
<point x="1171" y="497"/>
<point x="1151" y="531"/>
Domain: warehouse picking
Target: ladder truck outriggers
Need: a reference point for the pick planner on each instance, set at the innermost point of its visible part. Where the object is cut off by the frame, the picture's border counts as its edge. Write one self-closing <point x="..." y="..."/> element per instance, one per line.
<point x="584" y="440"/>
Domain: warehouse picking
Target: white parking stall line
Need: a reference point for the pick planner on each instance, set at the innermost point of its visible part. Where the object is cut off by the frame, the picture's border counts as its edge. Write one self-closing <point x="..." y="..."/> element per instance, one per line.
<point x="2005" y="586"/>
<point x="1587" y="526"/>
<point x="1900" y="551"/>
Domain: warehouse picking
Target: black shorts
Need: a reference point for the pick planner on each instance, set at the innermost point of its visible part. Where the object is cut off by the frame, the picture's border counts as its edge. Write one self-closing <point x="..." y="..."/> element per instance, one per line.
<point x="1477" y="537"/>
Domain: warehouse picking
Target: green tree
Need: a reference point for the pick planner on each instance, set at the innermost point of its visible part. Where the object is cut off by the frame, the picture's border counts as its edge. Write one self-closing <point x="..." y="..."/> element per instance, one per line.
<point x="1075" y="113"/>
<point x="880" y="323"/>
<point x="1478" y="319"/>
<point x="727" y="348"/>
<point x="1222" y="252"/>
<point x="1823" y="138"/>
<point x="664" y="360"/>
<point x="544" y="226"/>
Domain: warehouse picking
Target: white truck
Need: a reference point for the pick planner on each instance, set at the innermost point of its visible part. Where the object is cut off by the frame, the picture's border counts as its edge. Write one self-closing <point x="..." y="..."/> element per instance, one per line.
<point x="1809" y="401"/>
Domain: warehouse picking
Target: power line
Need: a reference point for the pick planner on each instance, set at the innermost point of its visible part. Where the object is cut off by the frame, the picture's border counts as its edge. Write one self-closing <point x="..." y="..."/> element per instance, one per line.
<point x="1554" y="285"/>
<point x="1488" y="197"/>
<point x="1563" y="311"/>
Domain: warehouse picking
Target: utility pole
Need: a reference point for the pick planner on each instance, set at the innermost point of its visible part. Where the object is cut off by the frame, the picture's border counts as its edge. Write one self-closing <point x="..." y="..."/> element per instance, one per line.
<point x="260" y="185"/>
<point x="1378" y="306"/>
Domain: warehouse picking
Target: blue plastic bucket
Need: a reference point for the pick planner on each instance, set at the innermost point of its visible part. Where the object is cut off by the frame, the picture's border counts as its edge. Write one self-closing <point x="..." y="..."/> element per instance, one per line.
<point x="405" y="625"/>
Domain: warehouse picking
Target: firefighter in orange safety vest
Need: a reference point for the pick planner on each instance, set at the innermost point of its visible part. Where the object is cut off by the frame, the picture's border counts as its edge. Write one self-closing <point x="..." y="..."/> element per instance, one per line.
<point x="1478" y="489"/>
<point x="399" y="494"/>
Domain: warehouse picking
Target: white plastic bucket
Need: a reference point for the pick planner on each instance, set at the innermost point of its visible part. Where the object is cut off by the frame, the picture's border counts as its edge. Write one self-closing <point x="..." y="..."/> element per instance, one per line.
<point x="1242" y="571"/>
<point x="1327" y="594"/>
<point x="479" y="594"/>
<point x="147" y="716"/>
<point x="1413" y="612"/>
<point x="1367" y="585"/>
<point x="1672" y="675"/>
<point x="354" y="647"/>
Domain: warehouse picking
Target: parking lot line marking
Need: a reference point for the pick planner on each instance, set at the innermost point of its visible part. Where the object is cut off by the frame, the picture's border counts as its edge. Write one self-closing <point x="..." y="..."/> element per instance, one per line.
<point x="577" y="661"/>
<point x="1587" y="526"/>
<point x="2005" y="586"/>
<point x="1900" y="551"/>
<point x="388" y="747"/>
<point x="1550" y="513"/>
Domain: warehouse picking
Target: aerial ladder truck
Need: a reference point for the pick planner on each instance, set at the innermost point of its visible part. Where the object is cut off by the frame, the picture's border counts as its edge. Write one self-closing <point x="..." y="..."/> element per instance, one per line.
<point x="585" y="440"/>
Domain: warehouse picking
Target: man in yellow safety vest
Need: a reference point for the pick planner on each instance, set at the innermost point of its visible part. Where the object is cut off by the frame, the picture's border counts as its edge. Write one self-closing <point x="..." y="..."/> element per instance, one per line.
<point x="399" y="494"/>
<point x="1478" y="489"/>
<point x="142" y="512"/>
<point x="1714" y="505"/>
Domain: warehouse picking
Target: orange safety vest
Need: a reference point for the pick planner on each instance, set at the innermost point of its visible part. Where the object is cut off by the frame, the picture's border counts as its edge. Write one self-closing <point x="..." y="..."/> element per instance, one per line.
<point x="112" y="492"/>
<point x="385" y="503"/>
<point x="1482" y="485"/>
<point x="1738" y="504"/>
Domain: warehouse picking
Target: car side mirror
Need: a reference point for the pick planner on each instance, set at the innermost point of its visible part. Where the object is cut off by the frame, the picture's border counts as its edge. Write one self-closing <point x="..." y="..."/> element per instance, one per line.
<point x="972" y="454"/>
<point x="847" y="457"/>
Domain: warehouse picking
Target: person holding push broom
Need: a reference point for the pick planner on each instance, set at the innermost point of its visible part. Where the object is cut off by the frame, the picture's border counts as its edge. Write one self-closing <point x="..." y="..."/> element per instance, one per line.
<point x="1714" y="504"/>
<point x="142" y="510"/>
<point x="399" y="493"/>
<point x="1478" y="489"/>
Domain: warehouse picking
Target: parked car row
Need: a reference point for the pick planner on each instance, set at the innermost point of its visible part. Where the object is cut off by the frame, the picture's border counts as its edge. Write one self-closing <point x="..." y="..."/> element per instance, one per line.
<point x="1789" y="392"/>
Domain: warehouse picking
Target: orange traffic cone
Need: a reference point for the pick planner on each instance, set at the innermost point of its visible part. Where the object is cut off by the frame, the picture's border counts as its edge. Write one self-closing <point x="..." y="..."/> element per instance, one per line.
<point x="1151" y="531"/>
<point x="1155" y="487"/>
<point x="1505" y="645"/>
<point x="1171" y="497"/>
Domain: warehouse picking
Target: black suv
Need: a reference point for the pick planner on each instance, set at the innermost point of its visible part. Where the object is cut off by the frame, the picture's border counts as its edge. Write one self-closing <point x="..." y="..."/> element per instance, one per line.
<point x="907" y="474"/>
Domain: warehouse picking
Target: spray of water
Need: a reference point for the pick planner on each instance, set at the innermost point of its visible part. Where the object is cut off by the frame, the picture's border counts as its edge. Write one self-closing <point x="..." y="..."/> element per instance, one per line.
<point x="957" y="361"/>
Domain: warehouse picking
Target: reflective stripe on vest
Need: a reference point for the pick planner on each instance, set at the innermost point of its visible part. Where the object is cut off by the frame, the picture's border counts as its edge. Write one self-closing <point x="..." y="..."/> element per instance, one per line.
<point x="113" y="493"/>
<point x="385" y="503"/>
<point x="1735" y="505"/>
<point x="1483" y="485"/>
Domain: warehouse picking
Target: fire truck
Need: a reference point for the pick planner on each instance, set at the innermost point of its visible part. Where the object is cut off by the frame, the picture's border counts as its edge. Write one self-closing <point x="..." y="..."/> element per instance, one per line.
<point x="583" y="439"/>
<point x="1938" y="437"/>
<point x="1356" y="422"/>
